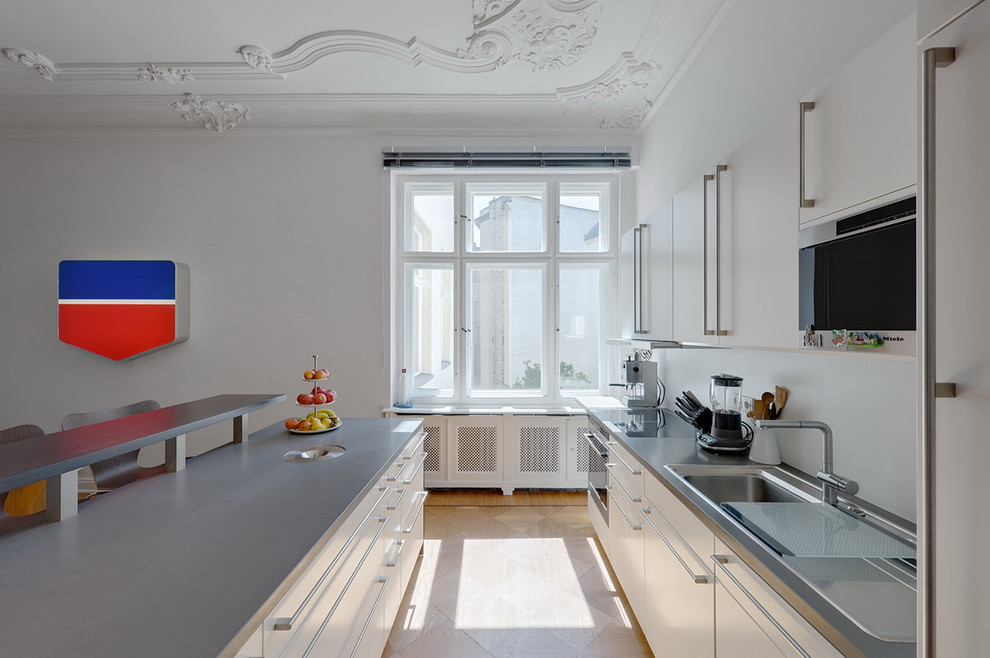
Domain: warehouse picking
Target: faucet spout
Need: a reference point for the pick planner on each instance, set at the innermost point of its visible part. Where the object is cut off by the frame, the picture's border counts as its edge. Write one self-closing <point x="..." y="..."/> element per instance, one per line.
<point x="831" y="483"/>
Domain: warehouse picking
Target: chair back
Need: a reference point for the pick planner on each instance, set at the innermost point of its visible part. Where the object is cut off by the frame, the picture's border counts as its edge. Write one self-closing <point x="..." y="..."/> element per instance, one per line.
<point x="30" y="498"/>
<point x="115" y="471"/>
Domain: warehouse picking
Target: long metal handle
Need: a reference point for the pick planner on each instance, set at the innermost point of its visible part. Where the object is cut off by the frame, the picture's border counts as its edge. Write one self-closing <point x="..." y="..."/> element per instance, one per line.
<point x="412" y="476"/>
<point x="639" y="327"/>
<point x="284" y="624"/>
<point x="402" y="467"/>
<point x="398" y="552"/>
<point x="615" y="503"/>
<point x="419" y="443"/>
<point x="632" y="498"/>
<point x="395" y="503"/>
<point x="340" y="597"/>
<point x="704" y="251"/>
<point x="934" y="58"/>
<point x="593" y="442"/>
<point x="806" y="107"/>
<point x="632" y="471"/>
<point x="721" y="561"/>
<point x="378" y="599"/>
<point x="699" y="579"/>
<point x="406" y="529"/>
<point x="718" y="250"/>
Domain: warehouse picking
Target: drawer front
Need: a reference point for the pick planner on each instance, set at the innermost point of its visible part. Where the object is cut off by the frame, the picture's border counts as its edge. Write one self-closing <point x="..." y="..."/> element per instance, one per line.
<point x="625" y="476"/>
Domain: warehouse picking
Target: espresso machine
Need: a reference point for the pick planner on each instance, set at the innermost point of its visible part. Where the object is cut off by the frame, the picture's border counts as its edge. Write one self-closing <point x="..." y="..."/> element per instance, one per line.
<point x="641" y="383"/>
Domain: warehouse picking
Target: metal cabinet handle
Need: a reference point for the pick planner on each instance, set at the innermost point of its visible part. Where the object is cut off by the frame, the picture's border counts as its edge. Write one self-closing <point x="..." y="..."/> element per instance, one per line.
<point x="699" y="579"/>
<point x="343" y="592"/>
<point x="934" y="58"/>
<point x="378" y="599"/>
<point x="419" y="444"/>
<point x="398" y="552"/>
<point x="721" y="561"/>
<point x="614" y="502"/>
<point x="395" y="503"/>
<point x="285" y="624"/>
<point x="718" y="250"/>
<point x="406" y="529"/>
<point x="629" y="495"/>
<point x="806" y="106"/>
<point x="422" y="459"/>
<point x="632" y="471"/>
<point x="402" y="467"/>
<point x="639" y="327"/>
<point x="704" y="252"/>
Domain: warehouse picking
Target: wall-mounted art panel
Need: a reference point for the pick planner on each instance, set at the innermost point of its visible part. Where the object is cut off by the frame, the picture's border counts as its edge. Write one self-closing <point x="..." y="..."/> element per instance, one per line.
<point x="123" y="309"/>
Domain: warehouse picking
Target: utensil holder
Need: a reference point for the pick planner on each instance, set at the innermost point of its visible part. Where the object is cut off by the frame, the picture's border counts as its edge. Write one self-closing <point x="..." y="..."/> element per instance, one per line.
<point x="764" y="448"/>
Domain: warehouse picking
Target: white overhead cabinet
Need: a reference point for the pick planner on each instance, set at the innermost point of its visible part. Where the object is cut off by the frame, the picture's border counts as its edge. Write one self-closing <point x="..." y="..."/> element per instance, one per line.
<point x="690" y="248"/>
<point x="953" y="425"/>
<point x="645" y="278"/>
<point x="858" y="147"/>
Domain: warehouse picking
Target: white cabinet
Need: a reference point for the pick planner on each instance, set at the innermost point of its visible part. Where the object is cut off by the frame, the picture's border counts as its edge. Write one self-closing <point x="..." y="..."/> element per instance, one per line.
<point x="760" y="242"/>
<point x="933" y="14"/>
<point x="690" y="294"/>
<point x="753" y="621"/>
<point x="677" y="615"/>
<point x="645" y="277"/>
<point x="625" y="529"/>
<point x="860" y="136"/>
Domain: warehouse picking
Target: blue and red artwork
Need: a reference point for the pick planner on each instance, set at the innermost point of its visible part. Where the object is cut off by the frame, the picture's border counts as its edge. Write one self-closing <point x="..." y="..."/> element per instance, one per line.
<point x="123" y="309"/>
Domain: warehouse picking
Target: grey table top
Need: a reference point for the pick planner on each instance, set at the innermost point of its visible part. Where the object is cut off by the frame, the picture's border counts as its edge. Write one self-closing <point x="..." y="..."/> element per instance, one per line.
<point x="802" y="582"/>
<point x="175" y="565"/>
<point x="41" y="457"/>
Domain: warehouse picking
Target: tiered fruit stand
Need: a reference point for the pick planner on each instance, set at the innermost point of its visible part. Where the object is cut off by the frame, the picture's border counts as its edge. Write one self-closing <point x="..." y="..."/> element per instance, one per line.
<point x="319" y="419"/>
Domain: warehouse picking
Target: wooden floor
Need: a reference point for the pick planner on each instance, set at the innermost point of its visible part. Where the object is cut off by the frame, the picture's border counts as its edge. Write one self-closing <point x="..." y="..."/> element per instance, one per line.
<point x="503" y="576"/>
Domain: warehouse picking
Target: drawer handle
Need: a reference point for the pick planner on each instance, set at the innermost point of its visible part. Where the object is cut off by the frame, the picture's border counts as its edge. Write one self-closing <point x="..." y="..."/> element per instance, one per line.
<point x="395" y="560"/>
<point x="419" y="508"/>
<point x="699" y="579"/>
<point x="371" y="615"/>
<point x="632" y="498"/>
<point x="422" y="458"/>
<point x="285" y="624"/>
<point x="721" y="561"/>
<point x="395" y="504"/>
<point x="632" y="471"/>
<point x="614" y="502"/>
<point x="402" y="467"/>
<point x="419" y="444"/>
<point x="343" y="592"/>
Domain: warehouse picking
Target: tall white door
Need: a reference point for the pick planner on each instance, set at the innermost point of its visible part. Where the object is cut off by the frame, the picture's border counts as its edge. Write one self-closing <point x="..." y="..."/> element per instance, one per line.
<point x="960" y="352"/>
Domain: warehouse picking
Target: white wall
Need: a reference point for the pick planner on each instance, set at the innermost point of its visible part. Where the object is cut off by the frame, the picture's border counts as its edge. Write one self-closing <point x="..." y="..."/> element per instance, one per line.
<point x="286" y="239"/>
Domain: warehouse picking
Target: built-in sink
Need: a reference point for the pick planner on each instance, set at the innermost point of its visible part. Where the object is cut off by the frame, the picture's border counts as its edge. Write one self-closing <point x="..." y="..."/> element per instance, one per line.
<point x="313" y="454"/>
<point x="754" y="484"/>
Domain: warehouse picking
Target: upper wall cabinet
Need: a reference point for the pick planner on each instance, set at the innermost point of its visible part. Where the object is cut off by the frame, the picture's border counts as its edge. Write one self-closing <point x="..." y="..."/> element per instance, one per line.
<point x="859" y="131"/>
<point x="645" y="278"/>
<point x="933" y="14"/>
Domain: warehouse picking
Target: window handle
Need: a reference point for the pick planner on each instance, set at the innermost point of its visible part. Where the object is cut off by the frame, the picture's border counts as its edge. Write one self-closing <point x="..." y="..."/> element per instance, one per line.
<point x="467" y="331"/>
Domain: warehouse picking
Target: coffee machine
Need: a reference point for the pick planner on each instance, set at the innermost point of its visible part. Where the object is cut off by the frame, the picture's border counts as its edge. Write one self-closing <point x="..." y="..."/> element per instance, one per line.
<point x="728" y="432"/>
<point x="641" y="383"/>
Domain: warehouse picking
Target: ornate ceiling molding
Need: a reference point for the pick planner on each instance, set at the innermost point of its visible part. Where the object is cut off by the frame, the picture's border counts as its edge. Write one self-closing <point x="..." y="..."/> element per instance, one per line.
<point x="486" y="11"/>
<point x="169" y="75"/>
<point x="39" y="63"/>
<point x="211" y="114"/>
<point x="622" y="96"/>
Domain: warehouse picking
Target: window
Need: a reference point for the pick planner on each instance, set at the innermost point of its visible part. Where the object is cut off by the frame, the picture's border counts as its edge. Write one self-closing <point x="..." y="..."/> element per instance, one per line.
<point x="498" y="277"/>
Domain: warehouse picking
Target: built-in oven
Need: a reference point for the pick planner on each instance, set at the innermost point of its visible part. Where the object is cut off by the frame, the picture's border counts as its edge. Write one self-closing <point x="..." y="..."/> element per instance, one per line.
<point x="597" y="473"/>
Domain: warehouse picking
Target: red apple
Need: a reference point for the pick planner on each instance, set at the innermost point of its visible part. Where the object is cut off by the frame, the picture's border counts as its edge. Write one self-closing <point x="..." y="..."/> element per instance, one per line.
<point x="331" y="395"/>
<point x="309" y="374"/>
<point x="322" y="373"/>
<point x="320" y="398"/>
<point x="291" y="423"/>
<point x="319" y="389"/>
<point x="305" y="425"/>
<point x="305" y="398"/>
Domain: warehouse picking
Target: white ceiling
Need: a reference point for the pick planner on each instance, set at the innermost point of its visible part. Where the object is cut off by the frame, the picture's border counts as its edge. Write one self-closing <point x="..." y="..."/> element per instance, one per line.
<point x="388" y="65"/>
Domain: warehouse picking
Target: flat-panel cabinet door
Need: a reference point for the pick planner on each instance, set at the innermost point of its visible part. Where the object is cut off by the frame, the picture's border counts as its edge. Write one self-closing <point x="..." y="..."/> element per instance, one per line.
<point x="645" y="277"/>
<point x="933" y="14"/>
<point x="688" y="260"/>
<point x="760" y="243"/>
<point x="861" y="136"/>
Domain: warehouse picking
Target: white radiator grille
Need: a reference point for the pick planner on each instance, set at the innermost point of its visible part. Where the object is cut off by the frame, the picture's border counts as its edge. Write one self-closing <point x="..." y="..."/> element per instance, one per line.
<point x="539" y="450"/>
<point x="477" y="449"/>
<point x="582" y="453"/>
<point x="432" y="446"/>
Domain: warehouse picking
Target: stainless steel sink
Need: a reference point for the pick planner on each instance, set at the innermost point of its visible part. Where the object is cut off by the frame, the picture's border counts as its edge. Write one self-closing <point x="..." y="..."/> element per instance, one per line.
<point x="754" y="484"/>
<point x="313" y="454"/>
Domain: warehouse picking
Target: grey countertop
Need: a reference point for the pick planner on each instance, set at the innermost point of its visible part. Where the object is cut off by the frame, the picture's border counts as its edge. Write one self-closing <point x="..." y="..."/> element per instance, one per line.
<point x="802" y="582"/>
<point x="177" y="564"/>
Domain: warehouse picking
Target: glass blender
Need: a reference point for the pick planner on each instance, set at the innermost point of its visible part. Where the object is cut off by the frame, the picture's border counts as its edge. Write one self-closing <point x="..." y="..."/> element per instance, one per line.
<point x="728" y="433"/>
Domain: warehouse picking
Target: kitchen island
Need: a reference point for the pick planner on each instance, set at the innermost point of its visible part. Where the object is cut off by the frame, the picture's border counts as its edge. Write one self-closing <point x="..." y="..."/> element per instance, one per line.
<point x="834" y="595"/>
<point x="183" y="564"/>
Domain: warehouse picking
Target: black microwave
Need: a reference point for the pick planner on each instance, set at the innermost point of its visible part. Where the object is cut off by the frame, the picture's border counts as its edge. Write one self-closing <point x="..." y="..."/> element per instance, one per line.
<point x="858" y="274"/>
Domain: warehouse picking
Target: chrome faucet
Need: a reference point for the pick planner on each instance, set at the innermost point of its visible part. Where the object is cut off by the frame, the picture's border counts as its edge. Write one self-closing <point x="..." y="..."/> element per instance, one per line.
<point x="832" y="484"/>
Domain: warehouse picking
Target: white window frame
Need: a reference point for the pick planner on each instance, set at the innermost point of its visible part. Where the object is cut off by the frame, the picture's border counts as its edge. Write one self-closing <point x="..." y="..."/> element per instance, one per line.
<point x="551" y="260"/>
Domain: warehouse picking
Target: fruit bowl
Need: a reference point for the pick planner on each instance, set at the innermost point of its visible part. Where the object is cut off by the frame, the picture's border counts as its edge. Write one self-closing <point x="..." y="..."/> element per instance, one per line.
<point x="325" y="429"/>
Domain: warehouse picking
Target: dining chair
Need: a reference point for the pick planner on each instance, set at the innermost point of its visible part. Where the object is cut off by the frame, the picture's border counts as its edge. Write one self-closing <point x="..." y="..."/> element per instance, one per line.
<point x="24" y="505"/>
<point x="116" y="471"/>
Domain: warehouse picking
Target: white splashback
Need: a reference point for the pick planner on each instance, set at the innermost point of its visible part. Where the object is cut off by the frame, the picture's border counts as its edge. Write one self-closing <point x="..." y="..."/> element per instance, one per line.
<point x="868" y="401"/>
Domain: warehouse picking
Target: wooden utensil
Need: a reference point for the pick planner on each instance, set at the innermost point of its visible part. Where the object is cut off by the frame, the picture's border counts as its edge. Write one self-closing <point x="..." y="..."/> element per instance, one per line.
<point x="781" y="399"/>
<point x="759" y="409"/>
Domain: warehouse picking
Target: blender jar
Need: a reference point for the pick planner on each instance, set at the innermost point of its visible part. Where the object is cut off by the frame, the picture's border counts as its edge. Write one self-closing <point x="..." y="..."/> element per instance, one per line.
<point x="726" y="394"/>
